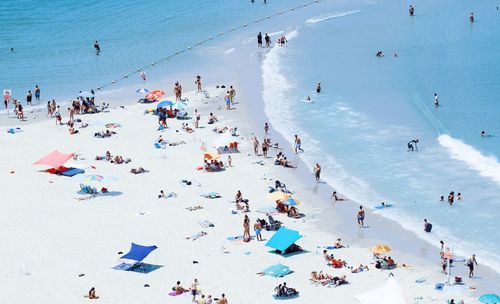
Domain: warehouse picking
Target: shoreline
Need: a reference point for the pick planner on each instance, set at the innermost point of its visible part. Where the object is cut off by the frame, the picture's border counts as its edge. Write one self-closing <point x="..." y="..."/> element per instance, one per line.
<point x="383" y="229"/>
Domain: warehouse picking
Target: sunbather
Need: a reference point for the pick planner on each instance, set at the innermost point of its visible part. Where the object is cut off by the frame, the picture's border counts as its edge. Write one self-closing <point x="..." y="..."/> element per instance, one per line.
<point x="168" y="195"/>
<point x="293" y="212"/>
<point x="179" y="289"/>
<point x="285" y="291"/>
<point x="187" y="128"/>
<point x="92" y="294"/>
<point x="138" y="170"/>
<point x="360" y="268"/>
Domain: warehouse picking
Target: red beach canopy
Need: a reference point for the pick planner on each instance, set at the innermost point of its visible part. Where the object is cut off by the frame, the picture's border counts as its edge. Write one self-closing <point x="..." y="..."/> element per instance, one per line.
<point x="54" y="160"/>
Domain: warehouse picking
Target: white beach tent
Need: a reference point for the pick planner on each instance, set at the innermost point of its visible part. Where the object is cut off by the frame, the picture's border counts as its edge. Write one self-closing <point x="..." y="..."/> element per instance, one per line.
<point x="389" y="293"/>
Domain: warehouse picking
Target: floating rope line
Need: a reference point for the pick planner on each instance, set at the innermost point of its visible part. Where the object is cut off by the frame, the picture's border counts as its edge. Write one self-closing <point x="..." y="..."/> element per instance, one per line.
<point x="166" y="58"/>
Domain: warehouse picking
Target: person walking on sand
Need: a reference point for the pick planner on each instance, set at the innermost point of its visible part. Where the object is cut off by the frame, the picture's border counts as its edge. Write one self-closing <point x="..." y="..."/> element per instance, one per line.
<point x="317" y="172"/>
<point x="223" y="299"/>
<point x="259" y="39"/>
<point x="266" y="129"/>
<point x="257" y="227"/>
<point x="198" y="83"/>
<point x="58" y="117"/>
<point x="228" y="100"/>
<point x="470" y="264"/>
<point x="246" y="229"/>
<point x="264" y="148"/>
<point x="297" y="144"/>
<point x="361" y="217"/>
<point x="97" y="47"/>
<point x="194" y="289"/>
<point x="256" y="146"/>
<point x="318" y="88"/>
<point x="232" y="94"/>
<point x="197" y="118"/>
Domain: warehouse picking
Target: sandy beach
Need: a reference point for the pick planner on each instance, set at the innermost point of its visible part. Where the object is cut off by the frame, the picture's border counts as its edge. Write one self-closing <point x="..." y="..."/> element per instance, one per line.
<point x="63" y="235"/>
<point x="59" y="245"/>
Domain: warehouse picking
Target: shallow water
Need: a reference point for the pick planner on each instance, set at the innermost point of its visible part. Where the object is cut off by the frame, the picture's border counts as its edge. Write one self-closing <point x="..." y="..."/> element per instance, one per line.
<point x="371" y="107"/>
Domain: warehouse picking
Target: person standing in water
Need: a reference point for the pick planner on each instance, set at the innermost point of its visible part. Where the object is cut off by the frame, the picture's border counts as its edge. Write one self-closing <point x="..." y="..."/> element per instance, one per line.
<point x="97" y="47"/>
<point x="411" y="11"/>
<point x="317" y="172"/>
<point x="268" y="41"/>
<point x="361" y="217"/>
<point x="259" y="39"/>
<point x="266" y="129"/>
<point x="471" y="17"/>
<point x="318" y="88"/>
<point x="37" y="93"/>
<point x="29" y="97"/>
<point x="436" y="100"/>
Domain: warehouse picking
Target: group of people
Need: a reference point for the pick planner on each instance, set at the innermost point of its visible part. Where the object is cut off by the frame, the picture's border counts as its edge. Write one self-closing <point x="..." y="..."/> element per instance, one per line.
<point x="118" y="159"/>
<point x="229" y="97"/>
<point x="326" y="279"/>
<point x="195" y="291"/>
<point x="267" y="40"/>
<point x="281" y="160"/>
<point x="451" y="197"/>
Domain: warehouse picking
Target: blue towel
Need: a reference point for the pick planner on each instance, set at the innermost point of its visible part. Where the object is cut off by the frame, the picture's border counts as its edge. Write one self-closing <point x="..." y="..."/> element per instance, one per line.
<point x="439" y="286"/>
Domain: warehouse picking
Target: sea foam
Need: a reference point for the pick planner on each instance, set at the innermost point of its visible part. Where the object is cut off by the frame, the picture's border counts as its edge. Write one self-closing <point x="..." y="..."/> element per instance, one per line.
<point x="322" y="18"/>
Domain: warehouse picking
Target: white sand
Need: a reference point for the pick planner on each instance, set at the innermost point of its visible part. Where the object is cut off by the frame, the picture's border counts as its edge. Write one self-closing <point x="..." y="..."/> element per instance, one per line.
<point x="49" y="237"/>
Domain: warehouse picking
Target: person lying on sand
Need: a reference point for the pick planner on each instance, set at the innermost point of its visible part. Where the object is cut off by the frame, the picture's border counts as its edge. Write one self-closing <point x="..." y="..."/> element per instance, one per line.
<point x="360" y="268"/>
<point x="168" y="195"/>
<point x="138" y="170"/>
<point x="196" y="236"/>
<point x="338" y="244"/>
<point x="92" y="294"/>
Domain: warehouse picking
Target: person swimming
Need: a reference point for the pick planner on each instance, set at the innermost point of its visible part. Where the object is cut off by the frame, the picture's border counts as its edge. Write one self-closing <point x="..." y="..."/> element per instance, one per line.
<point x="483" y="134"/>
<point x="379" y="54"/>
<point x="412" y="145"/>
<point x="97" y="47"/>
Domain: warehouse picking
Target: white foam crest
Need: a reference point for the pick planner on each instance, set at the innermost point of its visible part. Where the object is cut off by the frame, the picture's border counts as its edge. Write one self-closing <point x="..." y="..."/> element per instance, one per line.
<point x="229" y="51"/>
<point x="322" y="18"/>
<point x="487" y="166"/>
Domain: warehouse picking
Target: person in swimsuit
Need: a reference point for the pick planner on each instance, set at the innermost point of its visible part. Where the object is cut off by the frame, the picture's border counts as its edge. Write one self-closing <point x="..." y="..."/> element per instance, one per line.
<point x="29" y="97"/>
<point x="470" y="264"/>
<point x="223" y="299"/>
<point x="246" y="229"/>
<point x="436" y="99"/>
<point x="259" y="39"/>
<point x="258" y="228"/>
<point x="317" y="172"/>
<point x="268" y="40"/>
<point x="97" y="47"/>
<point x="194" y="289"/>
<point x="198" y="83"/>
<point x="92" y="294"/>
<point x="228" y="100"/>
<point x="318" y="88"/>
<point x="412" y="145"/>
<point x="37" y="93"/>
<point x="471" y="17"/>
<point x="297" y="144"/>
<point x="361" y="217"/>
<point x="411" y="10"/>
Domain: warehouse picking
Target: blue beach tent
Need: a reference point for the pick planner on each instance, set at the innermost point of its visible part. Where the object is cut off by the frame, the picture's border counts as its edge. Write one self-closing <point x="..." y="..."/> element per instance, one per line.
<point x="138" y="252"/>
<point x="164" y="104"/>
<point x="283" y="238"/>
<point x="490" y="298"/>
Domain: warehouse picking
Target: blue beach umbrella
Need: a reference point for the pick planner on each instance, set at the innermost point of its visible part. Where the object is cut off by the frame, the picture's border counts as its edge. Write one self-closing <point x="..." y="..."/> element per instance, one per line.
<point x="142" y="91"/>
<point x="283" y="238"/>
<point x="291" y="202"/>
<point x="180" y="106"/>
<point x="490" y="298"/>
<point x="164" y="104"/>
<point x="277" y="270"/>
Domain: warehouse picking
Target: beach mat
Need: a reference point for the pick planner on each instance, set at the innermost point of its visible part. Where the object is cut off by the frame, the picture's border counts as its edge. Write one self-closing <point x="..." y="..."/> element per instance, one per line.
<point x="175" y="294"/>
<point x="72" y="172"/>
<point x="285" y="298"/>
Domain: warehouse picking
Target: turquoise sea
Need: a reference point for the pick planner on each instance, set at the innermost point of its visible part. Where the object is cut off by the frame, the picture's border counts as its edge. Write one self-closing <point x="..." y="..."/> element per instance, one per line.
<point x="357" y="128"/>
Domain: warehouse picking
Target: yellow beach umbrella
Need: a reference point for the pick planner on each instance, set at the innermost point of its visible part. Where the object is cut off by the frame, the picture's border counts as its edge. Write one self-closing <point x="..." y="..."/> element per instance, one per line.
<point x="380" y="248"/>
<point x="278" y="196"/>
<point x="211" y="155"/>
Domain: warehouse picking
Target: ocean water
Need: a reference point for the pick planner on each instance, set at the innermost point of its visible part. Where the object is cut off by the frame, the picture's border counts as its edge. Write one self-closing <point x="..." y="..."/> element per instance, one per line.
<point x="53" y="40"/>
<point x="371" y="107"/>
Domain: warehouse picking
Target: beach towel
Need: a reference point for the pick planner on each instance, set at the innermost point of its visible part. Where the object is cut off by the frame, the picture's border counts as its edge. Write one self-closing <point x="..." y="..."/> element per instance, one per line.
<point x="174" y="293"/>
<point x="206" y="224"/>
<point x="14" y="130"/>
<point x="211" y="195"/>
<point x="196" y="236"/>
<point x="439" y="286"/>
<point x="72" y="172"/>
<point x="420" y="280"/>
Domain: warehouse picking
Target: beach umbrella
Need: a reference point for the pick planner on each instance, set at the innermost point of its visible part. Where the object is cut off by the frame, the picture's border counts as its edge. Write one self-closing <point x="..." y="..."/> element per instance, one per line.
<point x="164" y="104"/>
<point x="181" y="106"/>
<point x="380" y="249"/>
<point x="85" y="94"/>
<point x="277" y="270"/>
<point x="489" y="298"/>
<point x="138" y="252"/>
<point x="211" y="155"/>
<point x="391" y="293"/>
<point x="278" y="196"/>
<point x="283" y="238"/>
<point x="55" y="159"/>
<point x="292" y="202"/>
<point x="142" y="91"/>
